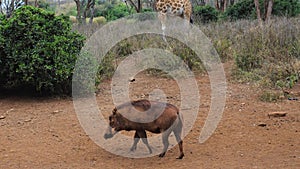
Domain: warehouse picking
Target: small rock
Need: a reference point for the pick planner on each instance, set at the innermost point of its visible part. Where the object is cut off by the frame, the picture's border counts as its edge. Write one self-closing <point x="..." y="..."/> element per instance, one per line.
<point x="56" y="112"/>
<point x="262" y="125"/>
<point x="2" y="117"/>
<point x="27" y="120"/>
<point x="277" y="114"/>
<point x="9" y="111"/>
<point x="131" y="79"/>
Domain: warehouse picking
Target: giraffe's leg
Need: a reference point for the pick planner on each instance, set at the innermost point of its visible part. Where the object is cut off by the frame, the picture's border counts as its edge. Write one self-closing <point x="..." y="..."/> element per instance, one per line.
<point x="187" y="20"/>
<point x="162" y="17"/>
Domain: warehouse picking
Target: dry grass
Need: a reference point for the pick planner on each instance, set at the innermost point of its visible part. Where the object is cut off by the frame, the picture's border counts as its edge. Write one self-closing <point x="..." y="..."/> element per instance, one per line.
<point x="268" y="56"/>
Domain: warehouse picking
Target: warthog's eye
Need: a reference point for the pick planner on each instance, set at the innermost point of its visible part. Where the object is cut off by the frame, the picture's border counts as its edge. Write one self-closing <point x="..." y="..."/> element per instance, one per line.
<point x="110" y="118"/>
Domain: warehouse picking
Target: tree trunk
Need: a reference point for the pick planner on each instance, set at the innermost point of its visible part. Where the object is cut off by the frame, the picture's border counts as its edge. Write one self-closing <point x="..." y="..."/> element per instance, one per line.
<point x="225" y="5"/>
<point x="78" y="8"/>
<point x="256" y="2"/>
<point x="10" y="9"/>
<point x="217" y="6"/>
<point x="36" y="3"/>
<point x="269" y="10"/>
<point x="83" y="11"/>
<point x="138" y="7"/>
<point x="207" y="2"/>
<point x="92" y="10"/>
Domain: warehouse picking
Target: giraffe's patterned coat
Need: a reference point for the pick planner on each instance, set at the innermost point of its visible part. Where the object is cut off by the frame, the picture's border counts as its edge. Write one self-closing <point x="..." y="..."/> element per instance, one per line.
<point x="182" y="8"/>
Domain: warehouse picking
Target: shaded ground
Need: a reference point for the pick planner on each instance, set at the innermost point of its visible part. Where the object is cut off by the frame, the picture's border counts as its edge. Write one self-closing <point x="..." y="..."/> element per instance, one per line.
<point x="45" y="133"/>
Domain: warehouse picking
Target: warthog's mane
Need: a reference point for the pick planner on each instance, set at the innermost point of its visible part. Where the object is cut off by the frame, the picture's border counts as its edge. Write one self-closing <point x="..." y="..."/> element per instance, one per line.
<point x="139" y="104"/>
<point x="143" y="105"/>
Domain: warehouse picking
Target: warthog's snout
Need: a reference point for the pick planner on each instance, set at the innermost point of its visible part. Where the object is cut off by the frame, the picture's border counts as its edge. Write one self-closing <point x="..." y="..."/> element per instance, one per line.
<point x="108" y="135"/>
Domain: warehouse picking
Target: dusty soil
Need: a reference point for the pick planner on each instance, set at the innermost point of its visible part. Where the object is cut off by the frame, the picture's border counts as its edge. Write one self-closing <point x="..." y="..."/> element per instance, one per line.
<point x="45" y="132"/>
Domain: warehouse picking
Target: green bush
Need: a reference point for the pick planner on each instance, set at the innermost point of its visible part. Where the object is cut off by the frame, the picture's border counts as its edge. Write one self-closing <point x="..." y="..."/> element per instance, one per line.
<point x="147" y="10"/>
<point x="38" y="50"/>
<point x="113" y="12"/>
<point x="46" y="5"/>
<point x="289" y="8"/>
<point x="244" y="9"/>
<point x="100" y="20"/>
<point x="269" y="96"/>
<point x="71" y="12"/>
<point x="205" y="14"/>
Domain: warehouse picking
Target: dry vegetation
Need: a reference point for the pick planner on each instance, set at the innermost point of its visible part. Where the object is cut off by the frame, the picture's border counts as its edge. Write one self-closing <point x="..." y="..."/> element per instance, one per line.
<point x="267" y="56"/>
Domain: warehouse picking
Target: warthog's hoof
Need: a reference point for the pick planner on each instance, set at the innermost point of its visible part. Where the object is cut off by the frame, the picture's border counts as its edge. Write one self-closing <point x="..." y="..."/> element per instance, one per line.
<point x="161" y="154"/>
<point x="180" y="157"/>
<point x="133" y="148"/>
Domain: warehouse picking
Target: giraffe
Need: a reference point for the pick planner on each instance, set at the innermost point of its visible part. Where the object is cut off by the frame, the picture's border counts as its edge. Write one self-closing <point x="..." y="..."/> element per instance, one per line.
<point x="182" y="8"/>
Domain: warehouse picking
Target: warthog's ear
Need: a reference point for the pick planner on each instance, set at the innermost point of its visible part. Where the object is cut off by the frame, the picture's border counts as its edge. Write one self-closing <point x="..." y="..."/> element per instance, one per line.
<point x="114" y="111"/>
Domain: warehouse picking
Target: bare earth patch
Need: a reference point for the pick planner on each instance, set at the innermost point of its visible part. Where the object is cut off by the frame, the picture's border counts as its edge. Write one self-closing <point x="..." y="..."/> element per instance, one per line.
<point x="45" y="133"/>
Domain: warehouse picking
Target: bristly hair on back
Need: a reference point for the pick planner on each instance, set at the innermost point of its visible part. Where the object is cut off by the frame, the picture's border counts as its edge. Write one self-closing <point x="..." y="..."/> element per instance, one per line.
<point x="144" y="104"/>
<point x="139" y="104"/>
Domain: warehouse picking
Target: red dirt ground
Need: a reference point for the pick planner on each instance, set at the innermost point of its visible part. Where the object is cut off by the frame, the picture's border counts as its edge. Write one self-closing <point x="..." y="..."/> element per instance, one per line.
<point x="45" y="133"/>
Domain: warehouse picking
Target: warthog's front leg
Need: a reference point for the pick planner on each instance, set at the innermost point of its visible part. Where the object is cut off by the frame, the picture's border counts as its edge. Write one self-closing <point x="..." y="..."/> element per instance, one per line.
<point x="136" y="140"/>
<point x="143" y="136"/>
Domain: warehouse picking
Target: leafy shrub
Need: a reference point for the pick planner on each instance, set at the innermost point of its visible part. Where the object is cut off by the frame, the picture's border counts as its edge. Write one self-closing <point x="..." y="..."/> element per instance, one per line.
<point x="72" y="12"/>
<point x="247" y="62"/>
<point x="99" y="20"/>
<point x="39" y="51"/>
<point x="205" y="14"/>
<point x="46" y="5"/>
<point x="269" y="96"/>
<point x="73" y="19"/>
<point x="289" y="8"/>
<point x="85" y="77"/>
<point x="244" y="9"/>
<point x="147" y="10"/>
<point x="224" y="49"/>
<point x="113" y="12"/>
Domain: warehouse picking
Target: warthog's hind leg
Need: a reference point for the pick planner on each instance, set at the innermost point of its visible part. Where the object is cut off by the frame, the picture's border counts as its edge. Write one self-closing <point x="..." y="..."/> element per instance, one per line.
<point x="165" y="139"/>
<point x="177" y="132"/>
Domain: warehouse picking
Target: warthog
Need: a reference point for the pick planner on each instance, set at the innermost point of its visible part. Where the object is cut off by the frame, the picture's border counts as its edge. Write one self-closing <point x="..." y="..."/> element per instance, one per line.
<point x="156" y="117"/>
